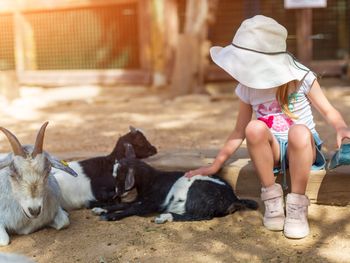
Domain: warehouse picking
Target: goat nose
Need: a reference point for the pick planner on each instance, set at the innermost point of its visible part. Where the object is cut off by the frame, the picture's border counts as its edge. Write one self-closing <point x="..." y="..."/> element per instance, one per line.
<point x="34" y="211"/>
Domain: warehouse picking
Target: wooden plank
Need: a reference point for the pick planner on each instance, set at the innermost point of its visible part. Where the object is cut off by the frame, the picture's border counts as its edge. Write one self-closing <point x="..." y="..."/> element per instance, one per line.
<point x="144" y="25"/>
<point x="191" y="53"/>
<point x="183" y="79"/>
<point x="19" y="41"/>
<point x="171" y="35"/>
<point x="324" y="187"/>
<point x="329" y="67"/>
<point x="158" y="26"/>
<point x="25" y="52"/>
<point x="303" y="33"/>
<point x="84" y="77"/>
<point x="9" y="87"/>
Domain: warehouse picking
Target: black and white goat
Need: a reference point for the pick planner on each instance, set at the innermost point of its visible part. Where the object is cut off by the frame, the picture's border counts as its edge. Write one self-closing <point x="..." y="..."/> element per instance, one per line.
<point x="177" y="197"/>
<point x="29" y="195"/>
<point x="95" y="182"/>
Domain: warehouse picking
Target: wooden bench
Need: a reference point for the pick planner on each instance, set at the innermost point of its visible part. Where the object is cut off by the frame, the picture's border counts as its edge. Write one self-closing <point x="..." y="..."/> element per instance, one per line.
<point x="324" y="187"/>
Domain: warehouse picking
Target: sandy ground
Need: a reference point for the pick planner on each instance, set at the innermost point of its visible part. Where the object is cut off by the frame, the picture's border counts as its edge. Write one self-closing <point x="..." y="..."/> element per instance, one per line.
<point x="86" y="121"/>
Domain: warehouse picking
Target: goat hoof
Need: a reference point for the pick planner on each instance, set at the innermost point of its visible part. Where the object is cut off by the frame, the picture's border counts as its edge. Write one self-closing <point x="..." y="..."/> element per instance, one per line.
<point x="106" y="217"/>
<point x="4" y="240"/>
<point x="89" y="205"/>
<point x="98" y="211"/>
<point x="110" y="217"/>
<point x="61" y="220"/>
<point x="162" y="218"/>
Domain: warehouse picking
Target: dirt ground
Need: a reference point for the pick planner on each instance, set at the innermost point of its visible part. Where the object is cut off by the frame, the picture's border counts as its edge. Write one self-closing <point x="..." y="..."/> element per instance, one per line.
<point x="86" y="121"/>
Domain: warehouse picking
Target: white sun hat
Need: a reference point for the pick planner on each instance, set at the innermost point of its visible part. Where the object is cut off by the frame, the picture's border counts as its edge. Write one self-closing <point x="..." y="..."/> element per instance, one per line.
<point x="257" y="56"/>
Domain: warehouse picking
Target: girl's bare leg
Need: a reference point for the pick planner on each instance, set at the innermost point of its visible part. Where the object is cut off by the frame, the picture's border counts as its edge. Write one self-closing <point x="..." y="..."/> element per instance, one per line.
<point x="301" y="155"/>
<point x="264" y="151"/>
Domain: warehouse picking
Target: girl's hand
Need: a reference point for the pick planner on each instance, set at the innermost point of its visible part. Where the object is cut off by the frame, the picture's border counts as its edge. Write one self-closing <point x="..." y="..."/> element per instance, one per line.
<point x="342" y="133"/>
<point x="205" y="170"/>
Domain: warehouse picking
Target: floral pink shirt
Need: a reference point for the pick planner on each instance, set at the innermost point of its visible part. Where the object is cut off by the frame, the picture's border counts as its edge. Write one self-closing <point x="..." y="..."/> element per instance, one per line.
<point x="268" y="110"/>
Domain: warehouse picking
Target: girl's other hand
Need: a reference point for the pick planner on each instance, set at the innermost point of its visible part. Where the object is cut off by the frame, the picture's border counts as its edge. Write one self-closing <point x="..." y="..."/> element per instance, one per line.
<point x="342" y="134"/>
<point x="205" y="171"/>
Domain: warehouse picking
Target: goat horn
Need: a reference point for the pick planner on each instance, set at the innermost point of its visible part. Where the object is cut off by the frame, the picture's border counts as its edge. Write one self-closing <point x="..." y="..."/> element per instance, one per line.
<point x="38" y="147"/>
<point x="15" y="144"/>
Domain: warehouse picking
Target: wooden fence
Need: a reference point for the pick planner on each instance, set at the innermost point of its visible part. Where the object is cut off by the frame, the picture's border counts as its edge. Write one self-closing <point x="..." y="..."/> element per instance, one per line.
<point x="84" y="42"/>
<point x="67" y="42"/>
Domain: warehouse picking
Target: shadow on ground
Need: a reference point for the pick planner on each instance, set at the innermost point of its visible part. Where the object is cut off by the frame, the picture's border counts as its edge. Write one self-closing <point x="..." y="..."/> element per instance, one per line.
<point x="86" y="121"/>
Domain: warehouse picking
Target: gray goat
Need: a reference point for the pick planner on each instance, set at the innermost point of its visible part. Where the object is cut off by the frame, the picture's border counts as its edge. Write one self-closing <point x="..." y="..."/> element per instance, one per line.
<point x="29" y="195"/>
<point x="14" y="258"/>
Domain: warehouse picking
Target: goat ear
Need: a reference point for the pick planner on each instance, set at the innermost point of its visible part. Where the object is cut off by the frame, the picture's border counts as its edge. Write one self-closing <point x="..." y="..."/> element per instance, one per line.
<point x="130" y="179"/>
<point x="61" y="165"/>
<point x="5" y="160"/>
<point x="132" y="129"/>
<point x="129" y="150"/>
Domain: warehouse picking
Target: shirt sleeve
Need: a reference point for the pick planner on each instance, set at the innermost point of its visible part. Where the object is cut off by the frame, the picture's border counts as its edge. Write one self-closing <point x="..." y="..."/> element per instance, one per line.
<point x="243" y="93"/>
<point x="307" y="82"/>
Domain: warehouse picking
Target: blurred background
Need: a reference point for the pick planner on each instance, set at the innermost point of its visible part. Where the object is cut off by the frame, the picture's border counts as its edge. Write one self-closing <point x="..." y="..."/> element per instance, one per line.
<point x="93" y="67"/>
<point x="153" y="42"/>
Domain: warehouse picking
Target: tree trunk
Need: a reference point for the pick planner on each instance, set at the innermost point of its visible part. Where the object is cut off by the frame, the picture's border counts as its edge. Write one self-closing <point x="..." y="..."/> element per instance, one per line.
<point x="185" y="75"/>
<point x="192" y="49"/>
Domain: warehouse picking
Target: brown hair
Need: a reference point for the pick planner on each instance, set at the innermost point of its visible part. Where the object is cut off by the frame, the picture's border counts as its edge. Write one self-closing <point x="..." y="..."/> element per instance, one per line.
<point x="282" y="98"/>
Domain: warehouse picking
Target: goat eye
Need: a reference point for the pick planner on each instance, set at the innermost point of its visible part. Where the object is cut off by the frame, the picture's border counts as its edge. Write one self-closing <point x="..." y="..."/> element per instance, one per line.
<point x="13" y="169"/>
<point x="14" y="174"/>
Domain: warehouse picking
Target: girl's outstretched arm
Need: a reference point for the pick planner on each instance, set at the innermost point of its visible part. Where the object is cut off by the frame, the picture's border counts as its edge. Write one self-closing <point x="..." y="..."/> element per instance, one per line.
<point x="331" y="115"/>
<point x="232" y="143"/>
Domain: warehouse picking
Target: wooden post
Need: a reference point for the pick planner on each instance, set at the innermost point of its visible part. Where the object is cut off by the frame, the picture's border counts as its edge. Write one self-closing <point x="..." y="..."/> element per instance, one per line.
<point x="9" y="87"/>
<point x="251" y="8"/>
<point x="171" y="36"/>
<point x="192" y="48"/>
<point x="303" y="33"/>
<point x="158" y="48"/>
<point x="184" y="76"/>
<point x="144" y="23"/>
<point x="25" y="51"/>
<point x="9" y="80"/>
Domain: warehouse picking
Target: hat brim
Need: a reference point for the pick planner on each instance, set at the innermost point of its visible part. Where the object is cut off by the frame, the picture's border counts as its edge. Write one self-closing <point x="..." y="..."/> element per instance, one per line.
<point x="257" y="70"/>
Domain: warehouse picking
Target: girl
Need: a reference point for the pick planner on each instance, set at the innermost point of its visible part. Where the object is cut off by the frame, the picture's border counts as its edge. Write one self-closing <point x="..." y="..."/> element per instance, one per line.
<point x="280" y="91"/>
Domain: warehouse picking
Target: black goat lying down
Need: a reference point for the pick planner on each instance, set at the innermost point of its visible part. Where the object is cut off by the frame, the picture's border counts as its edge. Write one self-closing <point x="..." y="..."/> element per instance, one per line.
<point x="96" y="182"/>
<point x="178" y="198"/>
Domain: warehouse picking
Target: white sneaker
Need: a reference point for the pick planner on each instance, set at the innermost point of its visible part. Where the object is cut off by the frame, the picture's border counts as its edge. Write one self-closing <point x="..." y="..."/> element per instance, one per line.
<point x="296" y="224"/>
<point x="274" y="207"/>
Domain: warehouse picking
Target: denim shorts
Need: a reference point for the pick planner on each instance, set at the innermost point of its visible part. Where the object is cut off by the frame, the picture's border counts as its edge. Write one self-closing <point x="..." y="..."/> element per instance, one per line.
<point x="319" y="164"/>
